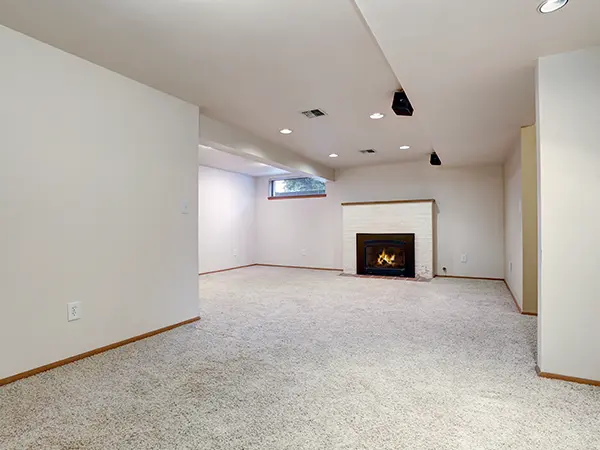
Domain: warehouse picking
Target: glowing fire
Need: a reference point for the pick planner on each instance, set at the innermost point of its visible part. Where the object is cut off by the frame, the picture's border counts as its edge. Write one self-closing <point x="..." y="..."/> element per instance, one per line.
<point x="386" y="259"/>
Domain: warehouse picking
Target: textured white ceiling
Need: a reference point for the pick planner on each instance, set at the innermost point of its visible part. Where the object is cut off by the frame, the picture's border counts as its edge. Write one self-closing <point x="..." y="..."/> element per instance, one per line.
<point x="468" y="67"/>
<point x="255" y="64"/>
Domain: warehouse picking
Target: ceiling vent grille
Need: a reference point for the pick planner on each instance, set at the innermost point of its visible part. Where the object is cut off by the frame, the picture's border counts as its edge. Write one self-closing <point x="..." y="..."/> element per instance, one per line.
<point x="314" y="113"/>
<point x="367" y="151"/>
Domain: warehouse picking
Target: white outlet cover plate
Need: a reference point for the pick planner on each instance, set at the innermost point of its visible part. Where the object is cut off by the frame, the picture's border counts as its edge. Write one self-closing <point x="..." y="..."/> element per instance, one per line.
<point x="185" y="207"/>
<point x="74" y="311"/>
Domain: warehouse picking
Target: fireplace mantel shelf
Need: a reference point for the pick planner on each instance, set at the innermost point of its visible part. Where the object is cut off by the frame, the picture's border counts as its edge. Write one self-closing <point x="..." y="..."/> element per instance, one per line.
<point x="385" y="202"/>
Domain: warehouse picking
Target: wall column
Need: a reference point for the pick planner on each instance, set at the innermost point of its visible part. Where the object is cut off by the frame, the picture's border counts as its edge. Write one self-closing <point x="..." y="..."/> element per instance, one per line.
<point x="568" y="95"/>
<point x="529" y="216"/>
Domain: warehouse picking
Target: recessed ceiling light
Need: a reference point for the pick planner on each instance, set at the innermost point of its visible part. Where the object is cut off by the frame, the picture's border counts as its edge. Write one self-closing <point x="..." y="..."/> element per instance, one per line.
<point x="333" y="155"/>
<point x="548" y="6"/>
<point x="285" y="131"/>
<point x="377" y="116"/>
<point x="404" y="147"/>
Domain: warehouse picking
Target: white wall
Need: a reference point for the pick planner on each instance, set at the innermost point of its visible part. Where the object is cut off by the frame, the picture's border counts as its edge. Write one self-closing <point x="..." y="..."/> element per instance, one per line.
<point x="568" y="95"/>
<point x="513" y="234"/>
<point x="94" y="169"/>
<point x="469" y="216"/>
<point x="298" y="232"/>
<point x="225" y="219"/>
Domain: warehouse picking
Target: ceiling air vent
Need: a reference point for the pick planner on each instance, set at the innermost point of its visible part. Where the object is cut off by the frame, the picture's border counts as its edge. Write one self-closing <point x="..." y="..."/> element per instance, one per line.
<point x="369" y="150"/>
<point x="312" y="113"/>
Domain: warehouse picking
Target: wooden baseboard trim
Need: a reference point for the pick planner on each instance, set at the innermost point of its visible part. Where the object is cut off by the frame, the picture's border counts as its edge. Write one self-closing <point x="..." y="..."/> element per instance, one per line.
<point x="299" y="267"/>
<point x="525" y="313"/>
<point x="226" y="270"/>
<point x="514" y="298"/>
<point x="555" y="376"/>
<point x="62" y="362"/>
<point x="469" y="278"/>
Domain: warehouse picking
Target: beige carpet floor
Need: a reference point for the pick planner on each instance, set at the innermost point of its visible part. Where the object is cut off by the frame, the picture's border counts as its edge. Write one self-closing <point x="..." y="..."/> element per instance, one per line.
<point x="300" y="359"/>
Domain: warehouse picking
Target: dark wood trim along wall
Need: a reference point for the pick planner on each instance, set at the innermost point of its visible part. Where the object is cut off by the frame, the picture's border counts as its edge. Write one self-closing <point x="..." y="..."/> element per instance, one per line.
<point x="525" y="313"/>
<point x="555" y="376"/>
<point x="62" y="362"/>
<point x="299" y="267"/>
<point x="469" y="278"/>
<point x="225" y="270"/>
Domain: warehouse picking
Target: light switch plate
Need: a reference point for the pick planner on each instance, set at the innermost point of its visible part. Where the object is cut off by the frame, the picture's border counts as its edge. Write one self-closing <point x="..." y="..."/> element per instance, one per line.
<point x="463" y="258"/>
<point x="74" y="311"/>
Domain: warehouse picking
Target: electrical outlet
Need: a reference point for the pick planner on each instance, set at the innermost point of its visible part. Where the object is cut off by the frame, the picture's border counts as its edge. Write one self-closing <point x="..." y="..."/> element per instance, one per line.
<point x="235" y="252"/>
<point x="463" y="258"/>
<point x="185" y="207"/>
<point x="74" y="311"/>
<point x="303" y="252"/>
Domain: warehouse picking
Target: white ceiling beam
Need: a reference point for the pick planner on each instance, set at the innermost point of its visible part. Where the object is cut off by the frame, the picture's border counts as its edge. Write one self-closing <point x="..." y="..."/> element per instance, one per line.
<point x="230" y="139"/>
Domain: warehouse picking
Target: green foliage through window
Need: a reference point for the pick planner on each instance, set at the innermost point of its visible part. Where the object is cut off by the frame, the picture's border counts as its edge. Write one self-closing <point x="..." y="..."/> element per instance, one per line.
<point x="294" y="187"/>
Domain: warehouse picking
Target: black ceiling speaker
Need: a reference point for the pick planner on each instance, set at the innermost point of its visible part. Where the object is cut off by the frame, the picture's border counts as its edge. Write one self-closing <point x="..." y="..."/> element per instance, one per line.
<point x="434" y="159"/>
<point x="401" y="105"/>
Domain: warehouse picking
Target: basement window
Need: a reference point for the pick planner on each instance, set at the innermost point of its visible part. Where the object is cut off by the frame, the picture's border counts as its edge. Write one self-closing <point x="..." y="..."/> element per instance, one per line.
<point x="306" y="187"/>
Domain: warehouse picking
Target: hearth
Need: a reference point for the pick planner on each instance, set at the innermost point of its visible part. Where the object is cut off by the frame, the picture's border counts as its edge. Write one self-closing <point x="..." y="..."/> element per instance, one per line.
<point x="385" y="254"/>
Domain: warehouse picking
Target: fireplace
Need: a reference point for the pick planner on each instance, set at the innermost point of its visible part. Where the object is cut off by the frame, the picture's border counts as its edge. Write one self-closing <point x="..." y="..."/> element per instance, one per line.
<point x="385" y="254"/>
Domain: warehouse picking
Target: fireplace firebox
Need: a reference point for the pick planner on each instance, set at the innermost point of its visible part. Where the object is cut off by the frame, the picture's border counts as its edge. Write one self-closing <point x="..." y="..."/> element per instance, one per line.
<point x="385" y="254"/>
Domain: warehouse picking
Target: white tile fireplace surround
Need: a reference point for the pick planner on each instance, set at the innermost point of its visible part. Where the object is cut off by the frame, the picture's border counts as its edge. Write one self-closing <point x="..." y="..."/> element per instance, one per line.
<point x="402" y="216"/>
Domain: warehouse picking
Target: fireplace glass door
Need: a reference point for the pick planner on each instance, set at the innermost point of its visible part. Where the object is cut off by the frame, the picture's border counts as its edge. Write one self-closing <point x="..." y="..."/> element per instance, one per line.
<point x="386" y="255"/>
